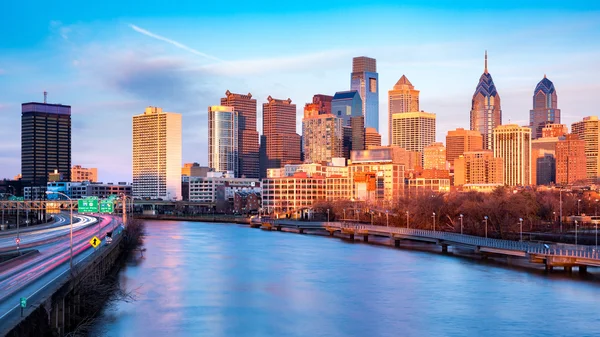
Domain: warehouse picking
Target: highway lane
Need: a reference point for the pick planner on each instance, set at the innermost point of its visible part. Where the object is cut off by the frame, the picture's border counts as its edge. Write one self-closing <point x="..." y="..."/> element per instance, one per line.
<point x="40" y="287"/>
<point x="59" y="220"/>
<point x="42" y="236"/>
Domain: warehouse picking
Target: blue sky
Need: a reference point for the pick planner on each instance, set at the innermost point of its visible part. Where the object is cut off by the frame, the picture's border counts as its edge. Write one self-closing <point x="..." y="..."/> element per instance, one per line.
<point x="111" y="59"/>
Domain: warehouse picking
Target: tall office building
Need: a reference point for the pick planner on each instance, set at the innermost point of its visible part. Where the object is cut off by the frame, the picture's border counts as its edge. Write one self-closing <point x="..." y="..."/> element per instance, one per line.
<point x="248" y="147"/>
<point x="347" y="105"/>
<point x="413" y="130"/>
<point x="512" y="143"/>
<point x="323" y="137"/>
<point x="402" y="98"/>
<point x="45" y="142"/>
<point x="543" y="160"/>
<point x="157" y="155"/>
<point x="434" y="157"/>
<point x="460" y="141"/>
<point x="280" y="144"/>
<point x="364" y="79"/>
<point x="357" y="124"/>
<point x="570" y="161"/>
<point x="372" y="138"/>
<point x="479" y="169"/>
<point x="545" y="107"/>
<point x="588" y="130"/>
<point x="223" y="139"/>
<point x="81" y="174"/>
<point x="486" y="113"/>
<point x="323" y="103"/>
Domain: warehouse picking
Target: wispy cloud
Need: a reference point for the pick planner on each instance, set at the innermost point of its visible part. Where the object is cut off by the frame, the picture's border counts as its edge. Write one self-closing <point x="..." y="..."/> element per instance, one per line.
<point x="173" y="42"/>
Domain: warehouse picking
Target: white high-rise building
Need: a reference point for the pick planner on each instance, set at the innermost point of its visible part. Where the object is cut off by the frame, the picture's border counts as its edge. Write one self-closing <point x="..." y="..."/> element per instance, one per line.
<point x="223" y="151"/>
<point x="157" y="155"/>
<point x="512" y="143"/>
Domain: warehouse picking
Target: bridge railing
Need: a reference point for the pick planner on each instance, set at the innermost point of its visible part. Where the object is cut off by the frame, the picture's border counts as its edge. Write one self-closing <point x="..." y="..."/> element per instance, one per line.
<point x="588" y="252"/>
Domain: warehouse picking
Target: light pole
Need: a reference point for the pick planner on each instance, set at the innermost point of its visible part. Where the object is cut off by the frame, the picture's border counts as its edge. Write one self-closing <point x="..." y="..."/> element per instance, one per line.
<point x="461" y="224"/>
<point x="407" y="219"/>
<point x="596" y="211"/>
<point x="575" y="234"/>
<point x="71" y="222"/>
<point x="521" y="223"/>
<point x="485" y="218"/>
<point x="328" y="217"/>
<point x="371" y="218"/>
<point x="560" y="208"/>
<point x="344" y="214"/>
<point x="387" y="218"/>
<point x="578" y="201"/>
<point x="596" y="223"/>
<point x="433" y="217"/>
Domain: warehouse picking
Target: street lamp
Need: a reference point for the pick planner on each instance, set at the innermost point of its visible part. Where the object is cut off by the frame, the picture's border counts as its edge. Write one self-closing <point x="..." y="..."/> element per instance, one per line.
<point x="371" y="218"/>
<point x="71" y="226"/>
<point x="433" y="217"/>
<point x="596" y="211"/>
<point x="461" y="224"/>
<point x="575" y="234"/>
<point x="344" y="214"/>
<point x="521" y="223"/>
<point x="387" y="218"/>
<point x="328" y="217"/>
<point x="407" y="219"/>
<point x="485" y="218"/>
<point x="578" y="201"/>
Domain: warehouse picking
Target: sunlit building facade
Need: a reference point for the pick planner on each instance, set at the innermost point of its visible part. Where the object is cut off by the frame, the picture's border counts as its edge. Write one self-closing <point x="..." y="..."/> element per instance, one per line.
<point x="157" y="155"/>
<point x="364" y="79"/>
<point x="80" y="174"/>
<point x="323" y="138"/>
<point x="460" y="141"/>
<point x="588" y="130"/>
<point x="248" y="146"/>
<point x="413" y="130"/>
<point x="479" y="170"/>
<point x="402" y="98"/>
<point x="545" y="107"/>
<point x="570" y="161"/>
<point x="486" y="113"/>
<point x="512" y="143"/>
<point x="223" y="139"/>
<point x="372" y="138"/>
<point x="434" y="157"/>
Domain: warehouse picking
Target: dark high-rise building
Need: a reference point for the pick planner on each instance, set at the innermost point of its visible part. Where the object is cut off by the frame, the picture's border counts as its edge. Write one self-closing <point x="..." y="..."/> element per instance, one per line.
<point x="280" y="144"/>
<point x="364" y="79"/>
<point x="346" y="105"/>
<point x="45" y="142"/>
<point x="248" y="147"/>
<point x="545" y="107"/>
<point x="486" y="113"/>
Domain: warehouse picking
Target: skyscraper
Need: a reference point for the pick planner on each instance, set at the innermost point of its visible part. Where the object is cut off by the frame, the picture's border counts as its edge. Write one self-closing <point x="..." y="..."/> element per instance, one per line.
<point x="364" y="79"/>
<point x="413" y="130"/>
<point x="223" y="139"/>
<point x="372" y="138"/>
<point x="588" y="130"/>
<point x="157" y="155"/>
<point x="346" y="105"/>
<point x="512" y="143"/>
<point x="280" y="144"/>
<point x="323" y="102"/>
<point x="248" y="148"/>
<point x="570" y="160"/>
<point x="323" y="138"/>
<point x="545" y="107"/>
<point x="460" y="141"/>
<point x="45" y="142"/>
<point x="486" y="113"/>
<point x="402" y="98"/>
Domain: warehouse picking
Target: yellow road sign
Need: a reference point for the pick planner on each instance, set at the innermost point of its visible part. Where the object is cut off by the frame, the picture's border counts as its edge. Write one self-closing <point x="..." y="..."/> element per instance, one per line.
<point x="95" y="242"/>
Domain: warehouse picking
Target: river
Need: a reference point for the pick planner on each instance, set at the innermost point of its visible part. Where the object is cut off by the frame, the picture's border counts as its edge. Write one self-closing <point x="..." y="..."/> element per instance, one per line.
<point x="198" y="279"/>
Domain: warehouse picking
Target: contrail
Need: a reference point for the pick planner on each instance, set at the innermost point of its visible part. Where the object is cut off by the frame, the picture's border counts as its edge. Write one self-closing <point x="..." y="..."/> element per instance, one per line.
<point x="175" y="43"/>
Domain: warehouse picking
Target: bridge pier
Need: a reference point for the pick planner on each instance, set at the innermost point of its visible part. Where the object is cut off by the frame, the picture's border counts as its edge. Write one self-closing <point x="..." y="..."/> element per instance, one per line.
<point x="366" y="238"/>
<point x="582" y="269"/>
<point x="331" y="233"/>
<point x="396" y="242"/>
<point x="301" y="230"/>
<point x="352" y="237"/>
<point x="549" y="267"/>
<point x="568" y="269"/>
<point x="279" y="228"/>
<point x="444" y="248"/>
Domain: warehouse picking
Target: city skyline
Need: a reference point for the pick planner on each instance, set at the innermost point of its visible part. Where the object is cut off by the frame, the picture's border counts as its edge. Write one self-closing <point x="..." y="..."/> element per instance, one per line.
<point x="111" y="67"/>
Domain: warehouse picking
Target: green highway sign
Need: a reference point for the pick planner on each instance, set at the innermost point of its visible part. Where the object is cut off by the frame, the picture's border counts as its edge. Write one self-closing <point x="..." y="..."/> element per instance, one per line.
<point x="23" y="302"/>
<point x="107" y="206"/>
<point x="87" y="205"/>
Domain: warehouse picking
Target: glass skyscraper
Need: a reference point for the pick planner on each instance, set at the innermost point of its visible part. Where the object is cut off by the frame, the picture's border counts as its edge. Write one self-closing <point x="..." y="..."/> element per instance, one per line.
<point x="346" y="104"/>
<point x="364" y="79"/>
<point x="223" y="139"/>
<point x="486" y="113"/>
<point x="545" y="107"/>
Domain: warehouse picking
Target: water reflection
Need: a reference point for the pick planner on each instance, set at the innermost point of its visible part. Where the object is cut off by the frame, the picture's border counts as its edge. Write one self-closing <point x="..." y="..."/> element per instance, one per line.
<point x="225" y="280"/>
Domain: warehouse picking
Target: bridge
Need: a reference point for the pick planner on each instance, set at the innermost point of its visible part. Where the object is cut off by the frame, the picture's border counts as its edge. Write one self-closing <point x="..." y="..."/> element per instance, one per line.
<point x="549" y="254"/>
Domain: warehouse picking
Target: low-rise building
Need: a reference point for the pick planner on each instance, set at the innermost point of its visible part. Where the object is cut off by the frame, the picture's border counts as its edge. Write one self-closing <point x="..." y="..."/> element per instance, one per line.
<point x="204" y="189"/>
<point x="246" y="202"/>
<point x="426" y="186"/>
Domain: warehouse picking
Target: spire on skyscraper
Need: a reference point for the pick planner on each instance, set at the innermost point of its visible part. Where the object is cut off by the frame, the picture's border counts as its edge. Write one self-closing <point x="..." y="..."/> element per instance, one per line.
<point x="485" y="69"/>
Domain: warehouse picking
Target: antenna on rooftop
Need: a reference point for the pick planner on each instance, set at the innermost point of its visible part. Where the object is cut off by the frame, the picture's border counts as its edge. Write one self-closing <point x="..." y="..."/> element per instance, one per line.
<point x="45" y="97"/>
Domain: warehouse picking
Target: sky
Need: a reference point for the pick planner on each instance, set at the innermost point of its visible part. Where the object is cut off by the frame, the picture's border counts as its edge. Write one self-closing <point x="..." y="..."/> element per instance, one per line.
<point x="109" y="60"/>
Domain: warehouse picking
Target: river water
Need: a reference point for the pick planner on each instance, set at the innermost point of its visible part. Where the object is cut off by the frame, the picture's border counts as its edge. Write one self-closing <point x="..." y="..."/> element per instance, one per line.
<point x="198" y="279"/>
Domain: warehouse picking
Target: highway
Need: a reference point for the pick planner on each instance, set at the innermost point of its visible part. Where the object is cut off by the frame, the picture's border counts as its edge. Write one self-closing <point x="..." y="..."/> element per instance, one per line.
<point x="31" y="275"/>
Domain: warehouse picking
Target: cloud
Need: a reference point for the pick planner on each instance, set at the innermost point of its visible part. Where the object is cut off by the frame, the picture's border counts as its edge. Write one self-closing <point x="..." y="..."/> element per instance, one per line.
<point x="173" y="42"/>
